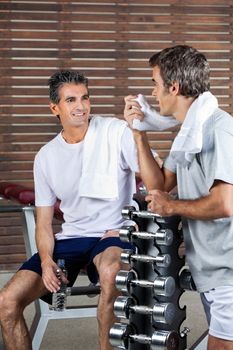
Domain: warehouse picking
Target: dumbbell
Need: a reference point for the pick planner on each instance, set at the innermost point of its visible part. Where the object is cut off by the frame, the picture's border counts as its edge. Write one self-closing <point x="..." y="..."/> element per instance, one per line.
<point x="161" y="260"/>
<point x="186" y="281"/>
<point x="161" y="236"/>
<point x="121" y="335"/>
<point x="160" y="312"/>
<point x="130" y="212"/>
<point x="125" y="280"/>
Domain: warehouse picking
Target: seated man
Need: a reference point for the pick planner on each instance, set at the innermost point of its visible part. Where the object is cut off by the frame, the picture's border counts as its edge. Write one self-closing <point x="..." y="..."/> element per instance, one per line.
<point x="90" y="166"/>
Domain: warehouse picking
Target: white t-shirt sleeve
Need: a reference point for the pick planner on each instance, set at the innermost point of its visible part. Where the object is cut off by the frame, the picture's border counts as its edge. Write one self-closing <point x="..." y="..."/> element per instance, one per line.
<point x="44" y="196"/>
<point x="170" y="164"/>
<point x="129" y="151"/>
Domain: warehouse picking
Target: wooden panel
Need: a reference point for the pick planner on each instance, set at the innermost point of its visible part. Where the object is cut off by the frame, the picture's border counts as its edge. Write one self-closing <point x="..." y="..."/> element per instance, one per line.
<point x="111" y="43"/>
<point x="12" y="248"/>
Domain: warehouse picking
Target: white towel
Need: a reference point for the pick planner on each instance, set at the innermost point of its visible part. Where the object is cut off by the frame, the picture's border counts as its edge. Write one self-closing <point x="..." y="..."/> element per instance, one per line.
<point x="189" y="140"/>
<point x="152" y="121"/>
<point x="101" y="157"/>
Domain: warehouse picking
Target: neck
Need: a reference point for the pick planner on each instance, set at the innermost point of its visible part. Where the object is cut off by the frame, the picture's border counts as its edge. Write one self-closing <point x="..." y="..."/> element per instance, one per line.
<point x="183" y="105"/>
<point x="75" y="135"/>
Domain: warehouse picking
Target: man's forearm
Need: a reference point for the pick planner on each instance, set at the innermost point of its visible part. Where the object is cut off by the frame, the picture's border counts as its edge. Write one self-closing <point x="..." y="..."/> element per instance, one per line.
<point x="217" y="204"/>
<point x="45" y="243"/>
<point x="198" y="209"/>
<point x="150" y="172"/>
<point x="213" y="206"/>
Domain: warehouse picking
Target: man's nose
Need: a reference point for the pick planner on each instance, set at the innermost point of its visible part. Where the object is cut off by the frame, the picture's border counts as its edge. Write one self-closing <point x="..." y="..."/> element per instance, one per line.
<point x="79" y="105"/>
<point x="154" y="92"/>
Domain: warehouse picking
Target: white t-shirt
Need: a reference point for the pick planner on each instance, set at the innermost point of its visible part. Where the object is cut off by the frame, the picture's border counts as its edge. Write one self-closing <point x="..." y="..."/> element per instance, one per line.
<point x="57" y="170"/>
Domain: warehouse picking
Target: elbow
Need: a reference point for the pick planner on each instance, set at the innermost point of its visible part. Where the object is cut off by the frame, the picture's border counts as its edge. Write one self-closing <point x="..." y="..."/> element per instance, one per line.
<point x="155" y="186"/>
<point x="227" y="210"/>
<point x="228" y="213"/>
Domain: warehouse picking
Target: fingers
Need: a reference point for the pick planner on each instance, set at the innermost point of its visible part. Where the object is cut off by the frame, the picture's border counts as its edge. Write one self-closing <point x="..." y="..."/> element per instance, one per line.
<point x="131" y="114"/>
<point x="52" y="277"/>
<point x="110" y="233"/>
<point x="64" y="278"/>
<point x="130" y="98"/>
<point x="152" y="195"/>
<point x="52" y="283"/>
<point x="133" y="106"/>
<point x="61" y="276"/>
<point x="135" y="112"/>
<point x="160" y="202"/>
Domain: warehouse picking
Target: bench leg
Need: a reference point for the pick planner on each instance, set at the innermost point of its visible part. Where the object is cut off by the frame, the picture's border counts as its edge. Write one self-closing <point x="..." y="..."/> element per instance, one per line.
<point x="39" y="323"/>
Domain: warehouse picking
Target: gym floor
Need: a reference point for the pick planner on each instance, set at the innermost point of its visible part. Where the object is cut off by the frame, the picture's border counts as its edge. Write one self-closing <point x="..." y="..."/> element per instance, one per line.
<point x="83" y="333"/>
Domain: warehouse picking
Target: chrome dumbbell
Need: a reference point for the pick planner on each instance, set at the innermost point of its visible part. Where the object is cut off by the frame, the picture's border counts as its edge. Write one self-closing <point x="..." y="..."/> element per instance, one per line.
<point x="161" y="236"/>
<point x="125" y="280"/>
<point x="161" y="260"/>
<point x="186" y="281"/>
<point x="130" y="212"/>
<point x="160" y="312"/>
<point x="121" y="335"/>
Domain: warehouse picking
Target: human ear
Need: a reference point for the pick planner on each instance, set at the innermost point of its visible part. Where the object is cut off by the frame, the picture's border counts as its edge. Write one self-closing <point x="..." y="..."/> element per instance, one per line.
<point x="54" y="109"/>
<point x="174" y="88"/>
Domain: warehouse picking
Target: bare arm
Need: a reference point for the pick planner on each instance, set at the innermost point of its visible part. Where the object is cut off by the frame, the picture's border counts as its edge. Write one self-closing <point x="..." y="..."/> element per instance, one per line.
<point x="218" y="204"/>
<point x="150" y="171"/>
<point x="45" y="245"/>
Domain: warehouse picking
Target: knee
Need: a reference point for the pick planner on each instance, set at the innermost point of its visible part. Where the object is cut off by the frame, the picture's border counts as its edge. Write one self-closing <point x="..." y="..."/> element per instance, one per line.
<point x="108" y="276"/>
<point x="8" y="306"/>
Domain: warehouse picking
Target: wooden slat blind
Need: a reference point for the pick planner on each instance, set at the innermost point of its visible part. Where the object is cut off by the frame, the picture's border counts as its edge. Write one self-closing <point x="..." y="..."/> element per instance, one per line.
<point x="111" y="42"/>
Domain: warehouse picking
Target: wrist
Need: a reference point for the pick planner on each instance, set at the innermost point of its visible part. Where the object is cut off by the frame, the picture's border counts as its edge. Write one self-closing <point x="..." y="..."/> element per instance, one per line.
<point x="46" y="260"/>
<point x="173" y="206"/>
<point x="139" y="136"/>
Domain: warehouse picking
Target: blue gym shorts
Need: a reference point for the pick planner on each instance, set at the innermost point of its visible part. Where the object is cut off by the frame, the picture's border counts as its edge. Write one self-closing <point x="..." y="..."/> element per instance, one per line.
<point x="78" y="253"/>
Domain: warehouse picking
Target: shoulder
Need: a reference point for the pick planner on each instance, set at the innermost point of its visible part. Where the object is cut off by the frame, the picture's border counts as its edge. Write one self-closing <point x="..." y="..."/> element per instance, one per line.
<point x="113" y="128"/>
<point x="219" y="123"/>
<point x="223" y="121"/>
<point x="48" y="147"/>
<point x="99" y="120"/>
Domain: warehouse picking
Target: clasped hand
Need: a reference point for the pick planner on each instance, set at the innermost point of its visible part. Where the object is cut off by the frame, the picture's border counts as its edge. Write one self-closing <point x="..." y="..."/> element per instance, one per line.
<point x="160" y="202"/>
<point x="132" y="110"/>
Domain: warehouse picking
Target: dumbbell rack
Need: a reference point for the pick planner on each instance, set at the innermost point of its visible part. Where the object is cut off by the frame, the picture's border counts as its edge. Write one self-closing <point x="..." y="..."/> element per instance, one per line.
<point x="143" y="324"/>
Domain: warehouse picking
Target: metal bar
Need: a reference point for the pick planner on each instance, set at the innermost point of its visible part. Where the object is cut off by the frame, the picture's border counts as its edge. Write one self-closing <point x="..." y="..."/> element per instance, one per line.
<point x="83" y="290"/>
<point x="11" y="208"/>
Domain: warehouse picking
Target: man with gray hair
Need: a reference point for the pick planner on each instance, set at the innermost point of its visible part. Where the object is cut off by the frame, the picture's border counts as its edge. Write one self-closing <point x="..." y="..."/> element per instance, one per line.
<point x="90" y="167"/>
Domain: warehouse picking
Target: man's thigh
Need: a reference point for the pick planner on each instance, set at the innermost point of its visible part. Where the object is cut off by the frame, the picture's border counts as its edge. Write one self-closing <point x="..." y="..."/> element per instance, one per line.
<point x="107" y="253"/>
<point x="24" y="287"/>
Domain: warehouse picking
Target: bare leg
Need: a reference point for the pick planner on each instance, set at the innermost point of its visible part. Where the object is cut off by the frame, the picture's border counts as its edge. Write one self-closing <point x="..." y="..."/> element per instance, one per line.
<point x="219" y="344"/>
<point x="24" y="287"/>
<point x="108" y="264"/>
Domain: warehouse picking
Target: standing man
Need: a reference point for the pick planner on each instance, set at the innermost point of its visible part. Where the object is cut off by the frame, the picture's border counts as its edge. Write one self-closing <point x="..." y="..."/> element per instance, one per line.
<point x="90" y="166"/>
<point x="200" y="163"/>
